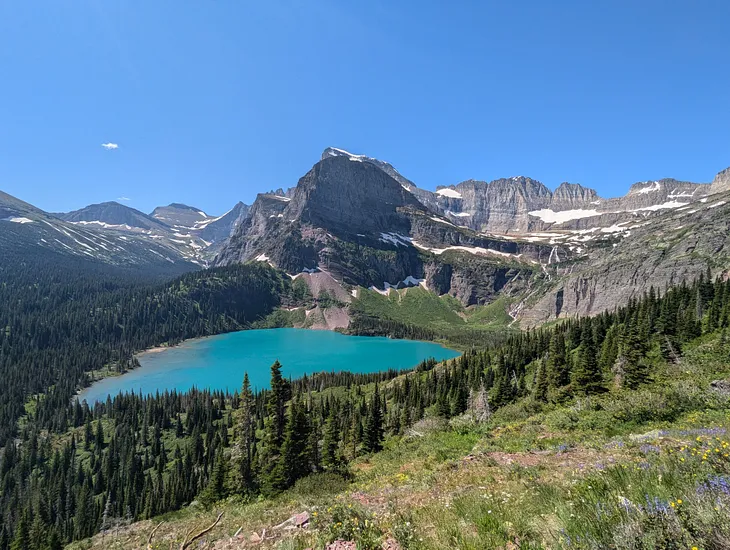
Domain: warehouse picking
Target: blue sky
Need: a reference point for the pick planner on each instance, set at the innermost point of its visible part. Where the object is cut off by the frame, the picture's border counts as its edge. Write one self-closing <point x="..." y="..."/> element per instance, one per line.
<point x="211" y="101"/>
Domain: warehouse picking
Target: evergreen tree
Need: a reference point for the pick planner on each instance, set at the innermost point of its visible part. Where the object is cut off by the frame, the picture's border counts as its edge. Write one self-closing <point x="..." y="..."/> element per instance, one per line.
<point x="274" y="428"/>
<point x="246" y="436"/>
<point x="373" y="431"/>
<point x="557" y="368"/>
<point x="216" y="489"/>
<point x="634" y="370"/>
<point x="21" y="539"/>
<point x="331" y="459"/>
<point x="295" y="456"/>
<point x="587" y="377"/>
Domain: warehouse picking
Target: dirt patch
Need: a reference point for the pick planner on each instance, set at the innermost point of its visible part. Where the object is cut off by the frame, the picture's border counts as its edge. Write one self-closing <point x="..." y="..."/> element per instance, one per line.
<point x="321" y="280"/>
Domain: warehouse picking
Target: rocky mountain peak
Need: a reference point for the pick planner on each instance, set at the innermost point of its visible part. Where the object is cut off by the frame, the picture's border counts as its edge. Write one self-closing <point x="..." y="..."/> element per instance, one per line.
<point x="111" y="214"/>
<point x="340" y="194"/>
<point x="384" y="166"/>
<point x="570" y="196"/>
<point x="721" y="181"/>
<point x="178" y="214"/>
<point x="645" y="187"/>
<point x="522" y="185"/>
<point x="575" y="190"/>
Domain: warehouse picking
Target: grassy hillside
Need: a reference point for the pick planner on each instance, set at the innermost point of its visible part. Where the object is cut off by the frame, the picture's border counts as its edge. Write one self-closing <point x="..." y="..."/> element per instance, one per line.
<point x="648" y="468"/>
<point x="439" y="317"/>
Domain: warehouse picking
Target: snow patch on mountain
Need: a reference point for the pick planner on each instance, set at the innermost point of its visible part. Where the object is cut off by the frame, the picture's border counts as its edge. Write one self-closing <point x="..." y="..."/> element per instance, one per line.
<point x="470" y="249"/>
<point x="395" y="238"/>
<point x="447" y="192"/>
<point x="655" y="186"/>
<point x="653" y="208"/>
<point x="550" y="216"/>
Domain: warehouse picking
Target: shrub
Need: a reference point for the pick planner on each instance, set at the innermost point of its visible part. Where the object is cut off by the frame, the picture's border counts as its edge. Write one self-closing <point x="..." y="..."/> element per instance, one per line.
<point x="317" y="485"/>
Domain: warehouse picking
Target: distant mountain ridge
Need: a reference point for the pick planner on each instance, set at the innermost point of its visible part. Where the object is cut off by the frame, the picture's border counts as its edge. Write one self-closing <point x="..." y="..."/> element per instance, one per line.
<point x="113" y="214"/>
<point x="357" y="221"/>
<point x="193" y="234"/>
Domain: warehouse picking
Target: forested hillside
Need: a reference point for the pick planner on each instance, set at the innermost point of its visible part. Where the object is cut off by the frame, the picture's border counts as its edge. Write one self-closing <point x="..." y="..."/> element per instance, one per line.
<point x="134" y="457"/>
<point x="58" y="324"/>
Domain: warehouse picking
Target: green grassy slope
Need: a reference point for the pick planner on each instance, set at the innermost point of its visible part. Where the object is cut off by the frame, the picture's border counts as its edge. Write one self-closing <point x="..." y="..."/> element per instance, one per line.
<point x="440" y="317"/>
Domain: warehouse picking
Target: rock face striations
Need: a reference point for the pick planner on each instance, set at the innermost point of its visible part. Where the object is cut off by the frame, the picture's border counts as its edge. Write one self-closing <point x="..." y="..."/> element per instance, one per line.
<point x="350" y="218"/>
<point x="554" y="253"/>
<point x="721" y="183"/>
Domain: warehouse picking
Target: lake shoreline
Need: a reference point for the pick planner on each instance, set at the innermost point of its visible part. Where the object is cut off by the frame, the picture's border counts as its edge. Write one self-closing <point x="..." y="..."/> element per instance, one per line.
<point x="301" y="351"/>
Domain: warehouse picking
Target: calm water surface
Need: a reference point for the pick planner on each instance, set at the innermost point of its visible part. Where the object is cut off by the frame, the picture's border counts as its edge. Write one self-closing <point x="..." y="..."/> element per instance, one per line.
<point x="219" y="362"/>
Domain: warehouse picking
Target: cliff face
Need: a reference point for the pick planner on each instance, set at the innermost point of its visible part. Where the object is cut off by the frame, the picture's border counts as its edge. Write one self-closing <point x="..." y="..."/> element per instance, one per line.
<point x="721" y="183"/>
<point x="556" y="254"/>
<point x="350" y="218"/>
<point x="677" y="246"/>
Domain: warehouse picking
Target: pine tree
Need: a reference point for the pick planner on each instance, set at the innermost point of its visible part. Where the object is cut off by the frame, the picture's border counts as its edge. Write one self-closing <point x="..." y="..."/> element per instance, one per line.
<point x="442" y="404"/>
<point x="21" y="540"/>
<point x="609" y="350"/>
<point x="274" y="426"/>
<point x="634" y="370"/>
<point x="54" y="541"/>
<point x="295" y="460"/>
<point x="373" y="431"/>
<point x="99" y="438"/>
<point x="246" y="435"/>
<point x="216" y="489"/>
<point x="331" y="459"/>
<point x="587" y="377"/>
<point x="557" y="368"/>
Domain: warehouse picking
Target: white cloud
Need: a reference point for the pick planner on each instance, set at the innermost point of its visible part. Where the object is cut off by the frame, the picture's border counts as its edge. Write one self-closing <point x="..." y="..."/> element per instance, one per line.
<point x="123" y="199"/>
<point x="109" y="146"/>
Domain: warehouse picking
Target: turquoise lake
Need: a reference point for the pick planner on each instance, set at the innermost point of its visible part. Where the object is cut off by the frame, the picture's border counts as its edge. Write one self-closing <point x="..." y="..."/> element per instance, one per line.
<point x="219" y="362"/>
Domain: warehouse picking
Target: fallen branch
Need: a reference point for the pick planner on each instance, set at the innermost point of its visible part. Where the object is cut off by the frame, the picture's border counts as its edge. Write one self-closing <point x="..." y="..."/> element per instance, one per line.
<point x="152" y="534"/>
<point x="190" y="538"/>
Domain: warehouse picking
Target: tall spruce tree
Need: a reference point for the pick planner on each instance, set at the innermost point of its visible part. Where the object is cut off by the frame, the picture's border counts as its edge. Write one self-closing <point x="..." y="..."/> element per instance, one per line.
<point x="635" y="370"/>
<point x="331" y="458"/>
<point x="587" y="376"/>
<point x="274" y="427"/>
<point x="373" y="431"/>
<point x="557" y="368"/>
<point x="295" y="454"/>
<point x="246" y="437"/>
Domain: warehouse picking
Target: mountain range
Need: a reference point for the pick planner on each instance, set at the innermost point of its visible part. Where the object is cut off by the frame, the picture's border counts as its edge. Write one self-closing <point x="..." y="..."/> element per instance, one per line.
<point x="355" y="222"/>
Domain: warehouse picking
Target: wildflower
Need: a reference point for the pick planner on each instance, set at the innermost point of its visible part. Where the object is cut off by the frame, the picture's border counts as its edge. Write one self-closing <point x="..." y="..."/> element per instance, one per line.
<point x="679" y="501"/>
